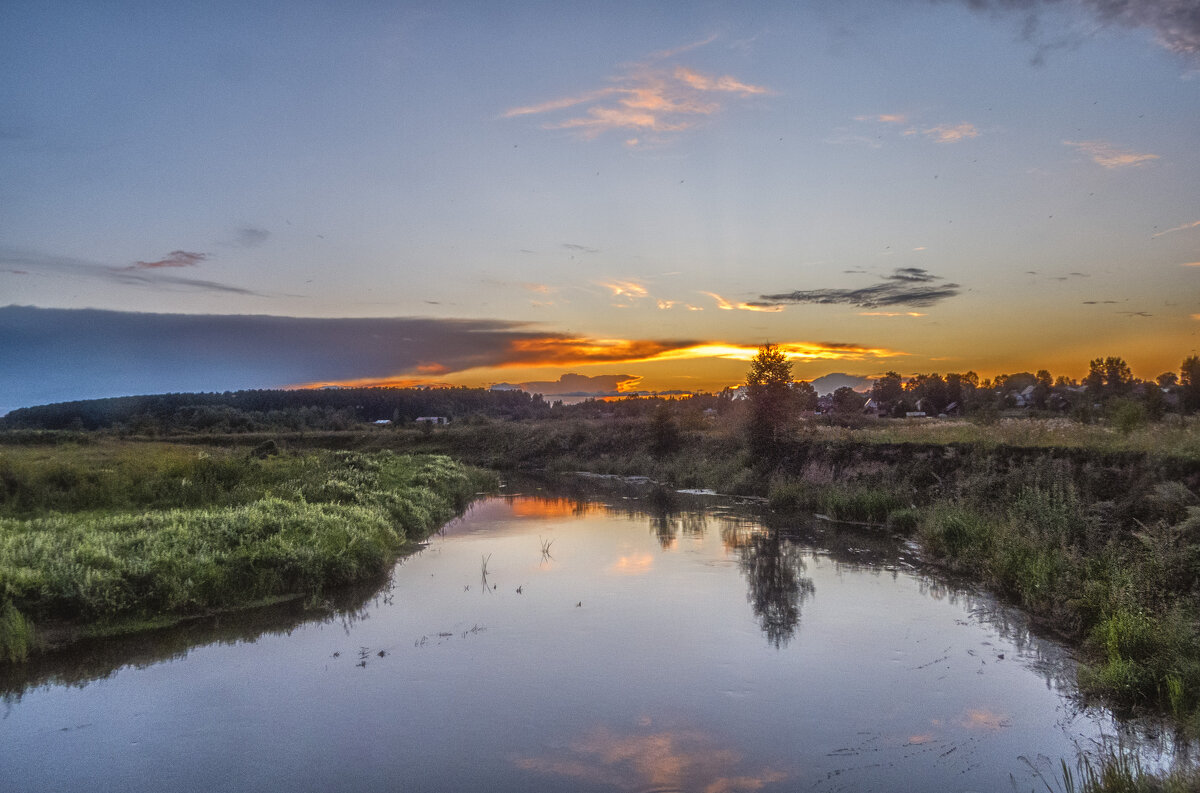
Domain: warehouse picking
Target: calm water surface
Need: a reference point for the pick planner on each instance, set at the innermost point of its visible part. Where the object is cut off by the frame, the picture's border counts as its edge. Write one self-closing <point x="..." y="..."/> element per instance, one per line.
<point x="546" y="643"/>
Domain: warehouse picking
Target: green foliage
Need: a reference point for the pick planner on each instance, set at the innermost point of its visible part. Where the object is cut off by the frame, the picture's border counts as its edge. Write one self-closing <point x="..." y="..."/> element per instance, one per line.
<point x="1130" y="596"/>
<point x="955" y="534"/>
<point x="888" y="389"/>
<point x="1121" y="771"/>
<point x="287" y="525"/>
<point x="1108" y="377"/>
<point x="664" y="433"/>
<point x="904" y="520"/>
<point x="16" y="634"/>
<point x="855" y="501"/>
<point x="768" y="388"/>
<point x="847" y="400"/>
<point x="1127" y="415"/>
<point x="805" y="395"/>
<point x="1189" y="382"/>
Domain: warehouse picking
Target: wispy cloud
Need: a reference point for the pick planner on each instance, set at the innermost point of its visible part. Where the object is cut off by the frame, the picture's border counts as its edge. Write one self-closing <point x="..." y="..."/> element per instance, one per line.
<point x="651" y="97"/>
<point x="251" y="237"/>
<point x="891" y="314"/>
<point x="1184" y="227"/>
<point x="143" y="274"/>
<point x="884" y="118"/>
<point x="571" y="246"/>
<point x="1191" y="264"/>
<point x="664" y="55"/>
<point x="951" y="133"/>
<point x="906" y="286"/>
<point x="1109" y="156"/>
<point x="940" y="133"/>
<point x="172" y="259"/>
<point x="703" y="82"/>
<point x="726" y="305"/>
<point x="626" y="289"/>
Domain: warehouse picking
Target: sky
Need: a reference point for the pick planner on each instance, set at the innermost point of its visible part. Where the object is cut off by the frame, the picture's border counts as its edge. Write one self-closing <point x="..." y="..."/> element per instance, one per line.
<point x="586" y="198"/>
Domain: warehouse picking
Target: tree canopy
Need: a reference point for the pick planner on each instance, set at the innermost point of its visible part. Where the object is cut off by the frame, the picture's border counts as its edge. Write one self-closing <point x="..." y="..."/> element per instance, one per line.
<point x="769" y="389"/>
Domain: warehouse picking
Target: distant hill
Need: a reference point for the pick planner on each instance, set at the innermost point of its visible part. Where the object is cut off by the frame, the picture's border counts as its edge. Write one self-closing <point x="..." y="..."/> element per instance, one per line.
<point x="827" y="384"/>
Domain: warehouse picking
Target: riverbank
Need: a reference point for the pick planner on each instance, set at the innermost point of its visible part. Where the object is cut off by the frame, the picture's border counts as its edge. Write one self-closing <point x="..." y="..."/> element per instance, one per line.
<point x="107" y="537"/>
<point x="1095" y="533"/>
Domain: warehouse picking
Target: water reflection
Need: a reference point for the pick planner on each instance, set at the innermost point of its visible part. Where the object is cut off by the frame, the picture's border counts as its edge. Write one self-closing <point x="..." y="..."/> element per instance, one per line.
<point x="645" y="759"/>
<point x="774" y="568"/>
<point x="97" y="659"/>
<point x="647" y="598"/>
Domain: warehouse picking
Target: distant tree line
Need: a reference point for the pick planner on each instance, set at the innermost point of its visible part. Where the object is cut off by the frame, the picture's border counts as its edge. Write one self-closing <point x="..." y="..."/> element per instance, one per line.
<point x="275" y="410"/>
<point x="1109" y="391"/>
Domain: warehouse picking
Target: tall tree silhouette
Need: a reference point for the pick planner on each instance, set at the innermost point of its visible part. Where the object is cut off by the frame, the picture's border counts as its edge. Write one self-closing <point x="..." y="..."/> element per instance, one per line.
<point x="769" y="389"/>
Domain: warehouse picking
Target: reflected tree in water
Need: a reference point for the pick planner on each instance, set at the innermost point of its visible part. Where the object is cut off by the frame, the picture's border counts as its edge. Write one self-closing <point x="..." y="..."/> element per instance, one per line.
<point x="774" y="569"/>
<point x="668" y="520"/>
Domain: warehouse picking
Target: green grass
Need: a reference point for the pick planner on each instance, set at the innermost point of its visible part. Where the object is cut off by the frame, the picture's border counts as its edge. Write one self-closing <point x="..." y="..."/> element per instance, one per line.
<point x="1174" y="436"/>
<point x="1119" y="771"/>
<point x="864" y="502"/>
<point x="114" y="553"/>
<point x="1131" y="599"/>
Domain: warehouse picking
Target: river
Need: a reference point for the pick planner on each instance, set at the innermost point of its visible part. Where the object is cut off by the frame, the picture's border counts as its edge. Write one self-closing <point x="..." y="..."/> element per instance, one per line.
<point x="623" y="642"/>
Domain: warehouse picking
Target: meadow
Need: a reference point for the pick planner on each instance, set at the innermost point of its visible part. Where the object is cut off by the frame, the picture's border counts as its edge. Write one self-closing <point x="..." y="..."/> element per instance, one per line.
<point x="108" y="537"/>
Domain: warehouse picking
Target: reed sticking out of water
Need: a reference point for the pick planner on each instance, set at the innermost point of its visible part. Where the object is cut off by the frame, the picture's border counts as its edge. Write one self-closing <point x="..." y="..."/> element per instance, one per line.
<point x="16" y="634"/>
<point x="1118" y="771"/>
<point x="546" y="548"/>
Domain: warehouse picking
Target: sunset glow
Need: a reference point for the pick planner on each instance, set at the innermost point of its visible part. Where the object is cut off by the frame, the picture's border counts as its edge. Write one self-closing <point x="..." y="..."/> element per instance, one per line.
<point x="592" y="200"/>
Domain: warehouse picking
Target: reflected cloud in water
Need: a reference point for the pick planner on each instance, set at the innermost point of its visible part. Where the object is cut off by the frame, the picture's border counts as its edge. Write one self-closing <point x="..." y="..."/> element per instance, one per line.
<point x="634" y="564"/>
<point x="666" y="760"/>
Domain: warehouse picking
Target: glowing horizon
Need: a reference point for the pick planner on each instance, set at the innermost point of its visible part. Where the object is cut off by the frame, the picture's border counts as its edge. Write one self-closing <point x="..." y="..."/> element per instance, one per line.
<point x="608" y="198"/>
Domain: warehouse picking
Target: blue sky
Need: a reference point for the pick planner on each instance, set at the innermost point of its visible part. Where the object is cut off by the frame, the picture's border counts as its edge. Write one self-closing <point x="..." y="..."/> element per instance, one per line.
<point x="918" y="186"/>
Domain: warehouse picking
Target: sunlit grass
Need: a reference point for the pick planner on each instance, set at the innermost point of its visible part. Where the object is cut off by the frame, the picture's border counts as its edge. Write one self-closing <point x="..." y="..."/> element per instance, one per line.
<point x="114" y="533"/>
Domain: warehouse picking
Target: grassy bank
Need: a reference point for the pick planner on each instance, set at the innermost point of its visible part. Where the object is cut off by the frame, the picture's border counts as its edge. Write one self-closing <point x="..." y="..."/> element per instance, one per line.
<point x="1127" y="592"/>
<point x="110" y="537"/>
<point x="1094" y="532"/>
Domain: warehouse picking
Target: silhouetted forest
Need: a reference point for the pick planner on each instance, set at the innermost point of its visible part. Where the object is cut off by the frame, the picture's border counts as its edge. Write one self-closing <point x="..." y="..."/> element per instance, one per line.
<point x="1109" y="393"/>
<point x="268" y="410"/>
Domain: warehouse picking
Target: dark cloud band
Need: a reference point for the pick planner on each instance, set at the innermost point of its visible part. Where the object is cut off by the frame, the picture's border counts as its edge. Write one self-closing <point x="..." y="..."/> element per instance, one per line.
<point x="906" y="286"/>
<point x="1175" y="23"/>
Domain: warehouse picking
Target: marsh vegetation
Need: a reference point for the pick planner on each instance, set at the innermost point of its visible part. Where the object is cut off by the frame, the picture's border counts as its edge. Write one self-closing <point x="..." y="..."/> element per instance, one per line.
<point x="111" y="537"/>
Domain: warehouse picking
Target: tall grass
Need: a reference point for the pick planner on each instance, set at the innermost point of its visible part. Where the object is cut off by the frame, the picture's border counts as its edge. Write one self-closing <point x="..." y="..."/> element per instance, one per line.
<point x="868" y="502"/>
<point x="1131" y="598"/>
<point x="246" y="530"/>
<point x="1119" y="771"/>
